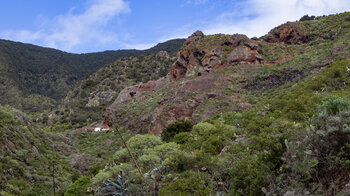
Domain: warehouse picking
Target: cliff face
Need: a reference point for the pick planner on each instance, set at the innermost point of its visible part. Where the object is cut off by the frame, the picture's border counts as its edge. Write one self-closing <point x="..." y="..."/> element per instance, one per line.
<point x="289" y="33"/>
<point x="223" y="51"/>
<point x="194" y="88"/>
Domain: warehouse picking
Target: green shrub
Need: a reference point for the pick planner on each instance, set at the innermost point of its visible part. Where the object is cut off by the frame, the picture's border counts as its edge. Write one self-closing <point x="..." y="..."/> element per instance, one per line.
<point x="148" y="161"/>
<point x="332" y="127"/>
<point x="182" y="137"/>
<point x="213" y="145"/>
<point x="138" y="144"/>
<point x="89" y="84"/>
<point x="333" y="105"/>
<point x="166" y="149"/>
<point x="316" y="157"/>
<point x="202" y="127"/>
<point x="121" y="156"/>
<point x="93" y="170"/>
<point x="179" y="161"/>
<point x="79" y="187"/>
<point x="191" y="184"/>
<point x="174" y="128"/>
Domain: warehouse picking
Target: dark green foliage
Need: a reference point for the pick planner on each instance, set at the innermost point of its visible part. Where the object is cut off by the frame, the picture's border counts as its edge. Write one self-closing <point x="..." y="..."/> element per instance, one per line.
<point x="190" y="184"/>
<point x="36" y="71"/>
<point x="171" y="46"/>
<point x="88" y="84"/>
<point x="96" y="168"/>
<point x="307" y="17"/>
<point x="79" y="187"/>
<point x="176" y="127"/>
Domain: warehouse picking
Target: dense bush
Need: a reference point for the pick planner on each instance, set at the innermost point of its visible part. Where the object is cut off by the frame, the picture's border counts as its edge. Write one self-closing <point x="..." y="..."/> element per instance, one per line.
<point x="79" y="187"/>
<point x="190" y="184"/>
<point x="315" y="158"/>
<point x="307" y="17"/>
<point x="176" y="127"/>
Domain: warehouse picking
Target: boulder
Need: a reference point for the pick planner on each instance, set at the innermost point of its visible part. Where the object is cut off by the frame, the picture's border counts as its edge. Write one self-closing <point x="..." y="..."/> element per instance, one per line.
<point x="194" y="37"/>
<point x="163" y="53"/>
<point x="244" y="55"/>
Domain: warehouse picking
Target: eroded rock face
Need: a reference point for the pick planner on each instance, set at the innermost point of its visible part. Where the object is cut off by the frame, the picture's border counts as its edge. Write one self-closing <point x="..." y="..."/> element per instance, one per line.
<point x="192" y="89"/>
<point x="289" y="33"/>
<point x="236" y="49"/>
<point x="132" y="93"/>
<point x="244" y="54"/>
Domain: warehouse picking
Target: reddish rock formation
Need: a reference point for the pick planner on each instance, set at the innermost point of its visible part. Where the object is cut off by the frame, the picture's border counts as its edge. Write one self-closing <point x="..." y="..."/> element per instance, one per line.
<point x="193" y="54"/>
<point x="289" y="33"/>
<point x="244" y="54"/>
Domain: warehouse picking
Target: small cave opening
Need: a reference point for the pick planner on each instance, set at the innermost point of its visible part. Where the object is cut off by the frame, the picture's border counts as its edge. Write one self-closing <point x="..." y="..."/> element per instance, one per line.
<point x="132" y="94"/>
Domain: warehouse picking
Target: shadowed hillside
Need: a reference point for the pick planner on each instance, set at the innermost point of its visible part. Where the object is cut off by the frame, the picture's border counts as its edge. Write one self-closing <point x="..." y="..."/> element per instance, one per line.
<point x="33" y="78"/>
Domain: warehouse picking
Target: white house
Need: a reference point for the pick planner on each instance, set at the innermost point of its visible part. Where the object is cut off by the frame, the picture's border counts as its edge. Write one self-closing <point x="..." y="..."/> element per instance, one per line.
<point x="97" y="129"/>
<point x="103" y="128"/>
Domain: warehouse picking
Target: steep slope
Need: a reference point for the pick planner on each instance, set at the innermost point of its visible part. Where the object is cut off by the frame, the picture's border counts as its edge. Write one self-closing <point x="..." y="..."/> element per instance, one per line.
<point x="218" y="73"/>
<point x="90" y="97"/>
<point x="33" y="78"/>
<point x="28" y="156"/>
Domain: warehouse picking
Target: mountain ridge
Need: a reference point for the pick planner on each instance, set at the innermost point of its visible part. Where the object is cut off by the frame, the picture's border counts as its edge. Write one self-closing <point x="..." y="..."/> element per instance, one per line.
<point x="28" y="70"/>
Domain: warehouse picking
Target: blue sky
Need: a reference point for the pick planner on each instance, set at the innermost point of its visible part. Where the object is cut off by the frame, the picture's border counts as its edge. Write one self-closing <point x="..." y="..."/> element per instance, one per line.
<point x="82" y="26"/>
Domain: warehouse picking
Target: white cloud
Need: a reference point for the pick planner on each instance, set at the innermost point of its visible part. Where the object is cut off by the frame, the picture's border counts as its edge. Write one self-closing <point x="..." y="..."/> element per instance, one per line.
<point x="69" y="31"/>
<point x="259" y="16"/>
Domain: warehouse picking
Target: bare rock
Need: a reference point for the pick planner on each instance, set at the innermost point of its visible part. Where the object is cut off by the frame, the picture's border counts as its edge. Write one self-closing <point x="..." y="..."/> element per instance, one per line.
<point x="239" y="39"/>
<point x="163" y="53"/>
<point x="80" y="163"/>
<point x="194" y="37"/>
<point x="288" y="33"/>
<point x="243" y="54"/>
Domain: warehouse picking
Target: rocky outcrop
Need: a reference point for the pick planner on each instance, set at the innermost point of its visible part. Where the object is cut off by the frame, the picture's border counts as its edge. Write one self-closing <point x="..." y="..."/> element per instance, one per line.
<point x="288" y="33"/>
<point x="244" y="54"/>
<point x="225" y="50"/>
<point x="192" y="89"/>
<point x="132" y="93"/>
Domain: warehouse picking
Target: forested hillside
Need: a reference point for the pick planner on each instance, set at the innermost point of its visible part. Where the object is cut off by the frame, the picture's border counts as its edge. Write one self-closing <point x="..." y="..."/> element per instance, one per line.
<point x="34" y="78"/>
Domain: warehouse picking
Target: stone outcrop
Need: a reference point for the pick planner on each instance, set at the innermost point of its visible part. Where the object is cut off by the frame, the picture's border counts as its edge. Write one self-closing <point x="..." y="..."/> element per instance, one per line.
<point x="288" y="33"/>
<point x="237" y="49"/>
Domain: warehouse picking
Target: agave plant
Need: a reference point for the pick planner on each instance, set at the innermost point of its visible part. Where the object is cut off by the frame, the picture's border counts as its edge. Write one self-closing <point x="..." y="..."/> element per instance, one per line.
<point x="117" y="186"/>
